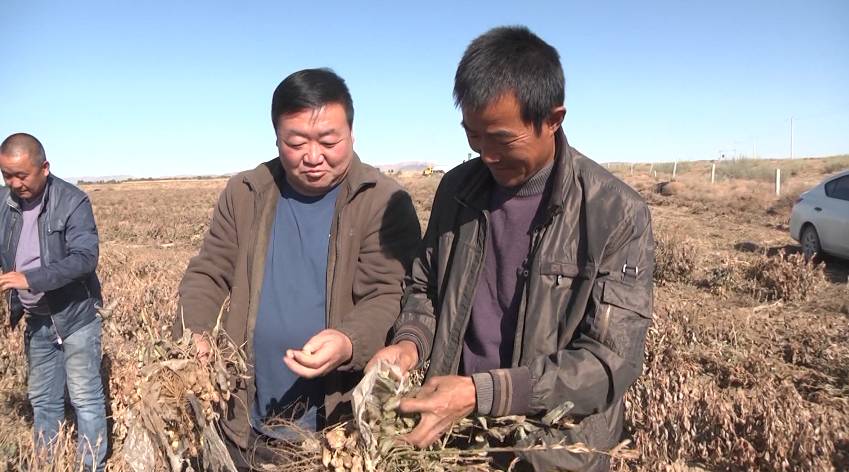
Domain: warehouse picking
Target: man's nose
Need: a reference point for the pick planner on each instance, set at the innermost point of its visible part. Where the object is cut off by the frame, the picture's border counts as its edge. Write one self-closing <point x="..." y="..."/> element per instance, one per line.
<point x="488" y="154"/>
<point x="314" y="154"/>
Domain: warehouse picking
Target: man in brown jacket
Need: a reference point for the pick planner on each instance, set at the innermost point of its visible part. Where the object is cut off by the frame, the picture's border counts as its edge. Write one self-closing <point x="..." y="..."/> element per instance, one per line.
<point x="533" y="286"/>
<point x="311" y="248"/>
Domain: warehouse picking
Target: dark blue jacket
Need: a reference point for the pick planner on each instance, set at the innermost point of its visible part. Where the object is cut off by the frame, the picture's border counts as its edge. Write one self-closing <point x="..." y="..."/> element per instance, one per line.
<point x="69" y="252"/>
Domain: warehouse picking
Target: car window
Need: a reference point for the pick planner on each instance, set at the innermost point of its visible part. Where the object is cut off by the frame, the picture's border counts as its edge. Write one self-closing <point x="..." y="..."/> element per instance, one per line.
<point x="838" y="188"/>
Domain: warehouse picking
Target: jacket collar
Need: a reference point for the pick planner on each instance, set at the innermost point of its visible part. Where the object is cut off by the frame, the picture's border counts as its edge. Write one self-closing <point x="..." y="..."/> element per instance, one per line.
<point x="564" y="171"/>
<point x="476" y="191"/>
<point x="271" y="173"/>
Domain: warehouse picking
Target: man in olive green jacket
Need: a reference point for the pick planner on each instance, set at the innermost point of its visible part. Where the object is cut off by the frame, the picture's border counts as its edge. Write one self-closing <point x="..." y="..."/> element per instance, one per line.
<point x="373" y="232"/>
<point x="533" y="285"/>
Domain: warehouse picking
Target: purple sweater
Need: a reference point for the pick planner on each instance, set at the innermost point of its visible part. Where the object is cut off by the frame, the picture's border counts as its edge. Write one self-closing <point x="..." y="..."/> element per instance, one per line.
<point x="28" y="256"/>
<point x="489" y="338"/>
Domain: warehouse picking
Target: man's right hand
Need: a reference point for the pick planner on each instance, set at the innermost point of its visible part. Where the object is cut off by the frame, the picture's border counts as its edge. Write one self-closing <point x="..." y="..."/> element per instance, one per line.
<point x="404" y="354"/>
<point x="202" y="347"/>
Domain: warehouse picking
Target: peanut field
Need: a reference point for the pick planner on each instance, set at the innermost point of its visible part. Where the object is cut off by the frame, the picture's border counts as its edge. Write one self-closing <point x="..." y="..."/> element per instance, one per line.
<point x="747" y="363"/>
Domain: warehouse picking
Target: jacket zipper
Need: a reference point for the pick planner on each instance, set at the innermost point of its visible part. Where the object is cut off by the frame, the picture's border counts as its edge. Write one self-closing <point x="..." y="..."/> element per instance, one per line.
<point x="523" y="307"/>
<point x="43" y="233"/>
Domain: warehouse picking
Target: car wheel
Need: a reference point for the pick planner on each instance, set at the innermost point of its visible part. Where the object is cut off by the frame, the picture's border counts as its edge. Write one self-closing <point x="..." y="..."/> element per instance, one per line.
<point x="810" y="241"/>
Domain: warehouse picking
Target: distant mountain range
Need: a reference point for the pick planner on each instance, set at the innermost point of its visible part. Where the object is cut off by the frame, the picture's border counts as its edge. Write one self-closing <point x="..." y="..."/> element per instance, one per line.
<point x="409" y="166"/>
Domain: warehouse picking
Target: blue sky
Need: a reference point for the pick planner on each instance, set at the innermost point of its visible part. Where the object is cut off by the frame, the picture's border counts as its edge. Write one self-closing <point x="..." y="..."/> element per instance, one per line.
<point x="184" y="87"/>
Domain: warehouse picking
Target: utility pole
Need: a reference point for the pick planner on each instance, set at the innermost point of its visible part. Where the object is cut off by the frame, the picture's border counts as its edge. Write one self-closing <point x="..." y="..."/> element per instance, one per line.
<point x="791" y="137"/>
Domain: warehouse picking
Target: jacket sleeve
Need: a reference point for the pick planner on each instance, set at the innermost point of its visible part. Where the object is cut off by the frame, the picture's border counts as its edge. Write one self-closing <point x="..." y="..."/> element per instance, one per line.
<point x="209" y="275"/>
<point x="605" y="356"/>
<point x="385" y="254"/>
<point x="417" y="321"/>
<point x="81" y="252"/>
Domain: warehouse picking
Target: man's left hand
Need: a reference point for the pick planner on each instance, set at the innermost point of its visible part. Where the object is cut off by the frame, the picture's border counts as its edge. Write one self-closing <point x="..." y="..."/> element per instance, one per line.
<point x="323" y="352"/>
<point x="16" y="280"/>
<point x="441" y="402"/>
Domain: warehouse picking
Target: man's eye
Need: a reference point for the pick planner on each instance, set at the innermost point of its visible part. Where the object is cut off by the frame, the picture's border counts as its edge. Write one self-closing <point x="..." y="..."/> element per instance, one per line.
<point x="295" y="145"/>
<point x="329" y="144"/>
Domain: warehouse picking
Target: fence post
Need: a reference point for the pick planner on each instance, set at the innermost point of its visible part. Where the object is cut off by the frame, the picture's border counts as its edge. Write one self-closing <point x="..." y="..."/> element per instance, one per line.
<point x="674" y="170"/>
<point x="777" y="182"/>
<point x="651" y="168"/>
<point x="632" y="169"/>
<point x="713" y="173"/>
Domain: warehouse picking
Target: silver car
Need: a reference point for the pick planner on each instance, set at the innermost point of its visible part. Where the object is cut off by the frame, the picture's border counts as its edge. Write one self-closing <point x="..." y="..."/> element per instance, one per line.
<point x="820" y="218"/>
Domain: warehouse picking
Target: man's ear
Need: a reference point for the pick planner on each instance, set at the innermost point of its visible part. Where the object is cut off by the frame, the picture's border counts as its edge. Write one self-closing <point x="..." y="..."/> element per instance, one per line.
<point x="555" y="118"/>
<point x="45" y="168"/>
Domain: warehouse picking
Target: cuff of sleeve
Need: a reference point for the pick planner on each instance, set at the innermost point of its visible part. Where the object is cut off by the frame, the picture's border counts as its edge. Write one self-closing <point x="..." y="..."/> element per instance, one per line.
<point x="191" y="323"/>
<point x="358" y="360"/>
<point x="511" y="391"/>
<point x="483" y="392"/>
<point x="36" y="280"/>
<point x="418" y="335"/>
<point x="415" y="340"/>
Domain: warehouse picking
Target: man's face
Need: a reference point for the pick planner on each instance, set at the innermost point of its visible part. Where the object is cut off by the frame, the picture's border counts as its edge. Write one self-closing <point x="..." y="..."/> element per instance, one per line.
<point x="23" y="176"/>
<point x="510" y="148"/>
<point x="316" y="148"/>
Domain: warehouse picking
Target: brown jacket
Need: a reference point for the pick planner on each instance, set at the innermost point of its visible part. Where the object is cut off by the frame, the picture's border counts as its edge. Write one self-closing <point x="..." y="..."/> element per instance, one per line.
<point x="586" y="299"/>
<point x="374" y="234"/>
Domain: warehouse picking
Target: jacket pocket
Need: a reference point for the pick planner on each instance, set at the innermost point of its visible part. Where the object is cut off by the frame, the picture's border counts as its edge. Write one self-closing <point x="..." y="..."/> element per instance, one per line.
<point x="627" y="297"/>
<point x="622" y="320"/>
<point x="55" y="242"/>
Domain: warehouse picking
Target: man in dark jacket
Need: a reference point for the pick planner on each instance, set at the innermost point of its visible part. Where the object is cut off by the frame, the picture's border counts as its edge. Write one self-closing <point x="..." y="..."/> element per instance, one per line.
<point x="311" y="247"/>
<point x="533" y="286"/>
<point x="49" y="255"/>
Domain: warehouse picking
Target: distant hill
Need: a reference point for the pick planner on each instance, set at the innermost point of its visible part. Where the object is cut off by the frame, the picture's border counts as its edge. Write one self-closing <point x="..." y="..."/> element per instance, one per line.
<point x="410" y="166"/>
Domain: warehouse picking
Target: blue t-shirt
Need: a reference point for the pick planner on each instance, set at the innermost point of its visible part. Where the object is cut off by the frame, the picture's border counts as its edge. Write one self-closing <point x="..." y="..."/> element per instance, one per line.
<point x="292" y="310"/>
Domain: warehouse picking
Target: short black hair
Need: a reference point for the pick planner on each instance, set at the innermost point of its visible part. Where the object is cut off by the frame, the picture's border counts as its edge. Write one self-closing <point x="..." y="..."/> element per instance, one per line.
<point x="23" y="143"/>
<point x="310" y="89"/>
<point x="511" y="59"/>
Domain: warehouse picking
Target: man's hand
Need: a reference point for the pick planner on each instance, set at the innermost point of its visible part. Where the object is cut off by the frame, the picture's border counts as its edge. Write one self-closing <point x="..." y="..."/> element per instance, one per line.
<point x="404" y="354"/>
<point x="16" y="280"/>
<point x="441" y="401"/>
<point x="323" y="352"/>
<point x="202" y="346"/>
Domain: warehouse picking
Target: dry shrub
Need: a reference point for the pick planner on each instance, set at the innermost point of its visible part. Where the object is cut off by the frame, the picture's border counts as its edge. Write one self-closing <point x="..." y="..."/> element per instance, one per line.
<point x="668" y="189"/>
<point x="785" y="277"/>
<point x="177" y="401"/>
<point x="835" y="164"/>
<point x="61" y="457"/>
<point x="725" y="279"/>
<point x="676" y="260"/>
<point x="712" y="398"/>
